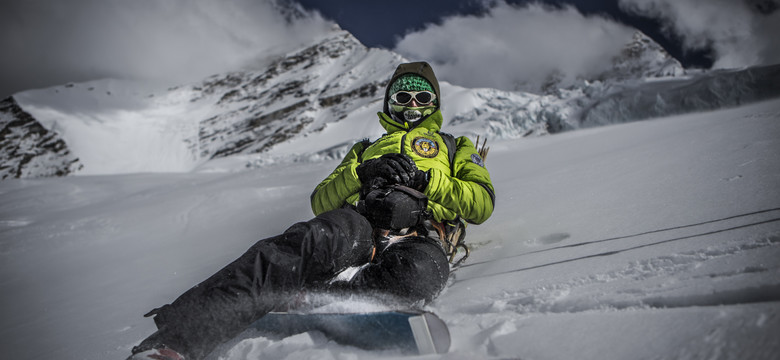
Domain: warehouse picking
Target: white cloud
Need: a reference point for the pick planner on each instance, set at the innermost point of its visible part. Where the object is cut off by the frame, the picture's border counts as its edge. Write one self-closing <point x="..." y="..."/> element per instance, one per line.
<point x="517" y="48"/>
<point x="52" y="42"/>
<point x="737" y="31"/>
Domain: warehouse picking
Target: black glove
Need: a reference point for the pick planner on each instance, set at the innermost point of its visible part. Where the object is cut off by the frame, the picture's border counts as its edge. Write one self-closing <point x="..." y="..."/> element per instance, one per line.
<point x="394" y="168"/>
<point x="419" y="180"/>
<point x="373" y="184"/>
<point x="394" y="208"/>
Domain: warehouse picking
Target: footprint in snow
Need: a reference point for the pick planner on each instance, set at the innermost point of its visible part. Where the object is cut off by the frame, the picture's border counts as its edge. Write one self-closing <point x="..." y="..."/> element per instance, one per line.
<point x="549" y="239"/>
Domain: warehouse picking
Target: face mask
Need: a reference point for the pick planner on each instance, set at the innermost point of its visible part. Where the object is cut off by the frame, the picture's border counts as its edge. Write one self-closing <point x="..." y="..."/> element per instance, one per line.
<point x="411" y="115"/>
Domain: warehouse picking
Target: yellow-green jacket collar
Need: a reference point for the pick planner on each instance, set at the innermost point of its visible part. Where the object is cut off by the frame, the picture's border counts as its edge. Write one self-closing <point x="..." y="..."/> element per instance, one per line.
<point x="433" y="122"/>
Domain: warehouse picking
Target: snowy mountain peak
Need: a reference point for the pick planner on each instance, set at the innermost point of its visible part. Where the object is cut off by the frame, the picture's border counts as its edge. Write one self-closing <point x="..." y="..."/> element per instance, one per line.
<point x="289" y="10"/>
<point x="643" y="58"/>
<point x="299" y="93"/>
<point x="117" y="126"/>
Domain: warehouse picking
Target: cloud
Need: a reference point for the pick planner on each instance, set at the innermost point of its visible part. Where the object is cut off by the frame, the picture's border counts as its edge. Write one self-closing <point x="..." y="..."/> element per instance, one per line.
<point x="740" y="32"/>
<point x="52" y="42"/>
<point x="517" y="48"/>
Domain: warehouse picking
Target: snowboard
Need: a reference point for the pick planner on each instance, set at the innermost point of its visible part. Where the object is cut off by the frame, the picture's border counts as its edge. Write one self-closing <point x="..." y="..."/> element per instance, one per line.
<point x="411" y="332"/>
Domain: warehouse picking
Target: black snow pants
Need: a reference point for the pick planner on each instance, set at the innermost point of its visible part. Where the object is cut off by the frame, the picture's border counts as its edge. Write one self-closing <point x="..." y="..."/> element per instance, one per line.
<point x="273" y="270"/>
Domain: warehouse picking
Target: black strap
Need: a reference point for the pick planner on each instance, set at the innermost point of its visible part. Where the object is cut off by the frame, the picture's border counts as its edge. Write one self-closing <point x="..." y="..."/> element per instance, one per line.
<point x="449" y="142"/>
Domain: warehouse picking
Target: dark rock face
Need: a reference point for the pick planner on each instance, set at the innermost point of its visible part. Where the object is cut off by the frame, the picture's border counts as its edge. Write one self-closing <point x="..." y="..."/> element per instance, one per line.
<point x="27" y="149"/>
<point x="262" y="109"/>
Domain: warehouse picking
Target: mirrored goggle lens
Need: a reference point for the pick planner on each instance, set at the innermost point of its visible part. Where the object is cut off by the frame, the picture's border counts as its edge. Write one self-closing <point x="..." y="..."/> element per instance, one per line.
<point x="405" y="97"/>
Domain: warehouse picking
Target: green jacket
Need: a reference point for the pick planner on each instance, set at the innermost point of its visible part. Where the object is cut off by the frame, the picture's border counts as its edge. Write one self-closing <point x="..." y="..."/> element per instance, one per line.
<point x="461" y="189"/>
<point x="464" y="190"/>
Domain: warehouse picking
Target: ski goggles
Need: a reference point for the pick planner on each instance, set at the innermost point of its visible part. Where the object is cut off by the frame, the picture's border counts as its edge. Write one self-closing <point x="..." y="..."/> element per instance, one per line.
<point x="405" y="97"/>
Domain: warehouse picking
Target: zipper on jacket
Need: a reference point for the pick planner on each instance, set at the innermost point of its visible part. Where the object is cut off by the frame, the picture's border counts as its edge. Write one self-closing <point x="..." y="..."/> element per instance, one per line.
<point x="403" y="142"/>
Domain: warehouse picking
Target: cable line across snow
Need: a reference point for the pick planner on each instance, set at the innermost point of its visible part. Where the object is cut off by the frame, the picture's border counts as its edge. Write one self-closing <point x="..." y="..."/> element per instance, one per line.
<point x="614" y="252"/>
<point x="623" y="237"/>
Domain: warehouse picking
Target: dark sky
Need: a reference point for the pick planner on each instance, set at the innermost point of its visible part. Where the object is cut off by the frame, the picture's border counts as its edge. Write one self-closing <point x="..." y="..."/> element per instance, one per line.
<point x="380" y="23"/>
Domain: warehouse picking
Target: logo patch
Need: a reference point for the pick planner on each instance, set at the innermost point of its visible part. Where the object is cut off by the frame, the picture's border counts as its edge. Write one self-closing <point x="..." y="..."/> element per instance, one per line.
<point x="425" y="147"/>
<point x="475" y="158"/>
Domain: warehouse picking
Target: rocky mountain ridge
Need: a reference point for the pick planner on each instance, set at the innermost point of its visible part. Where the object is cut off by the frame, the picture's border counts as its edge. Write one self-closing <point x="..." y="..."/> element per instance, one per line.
<point x="27" y="149"/>
<point x="642" y="58"/>
<point x="302" y="91"/>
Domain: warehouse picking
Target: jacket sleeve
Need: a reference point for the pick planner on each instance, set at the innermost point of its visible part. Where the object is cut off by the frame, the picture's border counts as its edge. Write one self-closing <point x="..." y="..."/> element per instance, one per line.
<point x="467" y="191"/>
<point x="343" y="182"/>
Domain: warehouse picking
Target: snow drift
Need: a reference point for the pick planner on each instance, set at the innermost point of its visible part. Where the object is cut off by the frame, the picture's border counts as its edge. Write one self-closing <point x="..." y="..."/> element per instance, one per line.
<point x="655" y="239"/>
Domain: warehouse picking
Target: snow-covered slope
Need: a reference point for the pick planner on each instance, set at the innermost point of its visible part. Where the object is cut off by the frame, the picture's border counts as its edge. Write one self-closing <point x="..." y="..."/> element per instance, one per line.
<point x="649" y="240"/>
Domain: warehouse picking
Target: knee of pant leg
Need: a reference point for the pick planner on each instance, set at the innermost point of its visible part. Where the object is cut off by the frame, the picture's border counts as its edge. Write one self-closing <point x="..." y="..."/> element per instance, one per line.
<point x="353" y="231"/>
<point x="345" y="220"/>
<point x="417" y="269"/>
<point x="329" y="243"/>
<point x="350" y="222"/>
<point x="342" y="223"/>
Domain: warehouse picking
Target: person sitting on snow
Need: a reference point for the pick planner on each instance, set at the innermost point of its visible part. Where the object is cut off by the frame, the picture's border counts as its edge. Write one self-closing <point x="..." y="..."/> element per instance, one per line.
<point x="393" y="207"/>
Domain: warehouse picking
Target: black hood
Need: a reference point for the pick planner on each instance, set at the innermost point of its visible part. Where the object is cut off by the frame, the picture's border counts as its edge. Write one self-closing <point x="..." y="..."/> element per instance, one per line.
<point x="421" y="68"/>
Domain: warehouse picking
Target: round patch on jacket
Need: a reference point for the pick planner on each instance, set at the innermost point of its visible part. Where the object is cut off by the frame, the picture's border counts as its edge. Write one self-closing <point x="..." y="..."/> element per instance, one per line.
<point x="475" y="158"/>
<point x="425" y="147"/>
